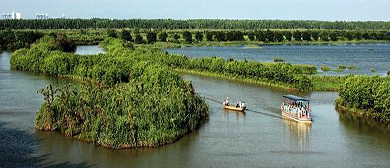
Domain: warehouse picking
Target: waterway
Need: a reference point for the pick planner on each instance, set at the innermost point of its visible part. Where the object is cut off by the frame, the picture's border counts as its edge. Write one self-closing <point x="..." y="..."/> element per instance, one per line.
<point x="257" y="138"/>
<point x="364" y="57"/>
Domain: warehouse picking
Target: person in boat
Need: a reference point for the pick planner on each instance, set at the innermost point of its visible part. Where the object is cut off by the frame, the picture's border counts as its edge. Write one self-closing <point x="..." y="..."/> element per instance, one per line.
<point x="243" y="105"/>
<point x="238" y="104"/>
<point x="226" y="101"/>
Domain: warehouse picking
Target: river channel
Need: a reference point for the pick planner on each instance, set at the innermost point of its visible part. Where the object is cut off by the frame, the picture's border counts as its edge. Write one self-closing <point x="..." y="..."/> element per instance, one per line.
<point x="257" y="138"/>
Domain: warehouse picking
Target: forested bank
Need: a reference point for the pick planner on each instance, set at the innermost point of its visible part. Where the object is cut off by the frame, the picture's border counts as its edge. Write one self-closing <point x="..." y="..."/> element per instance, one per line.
<point x="191" y="24"/>
<point x="134" y="101"/>
<point x="366" y="96"/>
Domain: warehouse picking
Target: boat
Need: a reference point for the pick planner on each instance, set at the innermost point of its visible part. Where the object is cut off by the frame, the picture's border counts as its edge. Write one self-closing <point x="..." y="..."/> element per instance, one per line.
<point x="239" y="107"/>
<point x="296" y="108"/>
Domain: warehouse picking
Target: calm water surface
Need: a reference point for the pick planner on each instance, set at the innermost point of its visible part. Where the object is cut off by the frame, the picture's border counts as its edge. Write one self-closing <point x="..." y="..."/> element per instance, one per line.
<point x="363" y="56"/>
<point x="89" y="49"/>
<point x="258" y="138"/>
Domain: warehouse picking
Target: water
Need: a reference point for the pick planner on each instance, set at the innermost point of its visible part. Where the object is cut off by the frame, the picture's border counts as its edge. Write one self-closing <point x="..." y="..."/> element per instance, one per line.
<point x="363" y="56"/>
<point x="89" y="49"/>
<point x="258" y="138"/>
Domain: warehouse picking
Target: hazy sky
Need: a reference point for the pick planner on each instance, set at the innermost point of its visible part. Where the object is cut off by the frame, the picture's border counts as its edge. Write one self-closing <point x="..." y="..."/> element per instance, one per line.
<point x="192" y="9"/>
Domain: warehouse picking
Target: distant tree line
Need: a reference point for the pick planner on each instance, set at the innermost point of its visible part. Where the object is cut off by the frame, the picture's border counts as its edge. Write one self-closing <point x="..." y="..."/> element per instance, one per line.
<point x="258" y="35"/>
<point x="192" y="24"/>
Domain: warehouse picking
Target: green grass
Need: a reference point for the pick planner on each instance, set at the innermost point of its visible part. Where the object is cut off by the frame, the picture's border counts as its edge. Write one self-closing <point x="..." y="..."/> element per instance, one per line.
<point x="277" y="59"/>
<point x="325" y="68"/>
<point x="352" y="67"/>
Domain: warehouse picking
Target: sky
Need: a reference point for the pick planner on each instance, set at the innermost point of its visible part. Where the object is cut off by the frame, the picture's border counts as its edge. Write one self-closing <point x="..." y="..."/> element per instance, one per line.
<point x="329" y="10"/>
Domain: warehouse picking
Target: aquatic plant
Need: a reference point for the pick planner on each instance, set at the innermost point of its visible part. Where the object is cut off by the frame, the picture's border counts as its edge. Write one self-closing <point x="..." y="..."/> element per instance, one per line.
<point x="352" y="67"/>
<point x="325" y="68"/>
<point x="277" y="59"/>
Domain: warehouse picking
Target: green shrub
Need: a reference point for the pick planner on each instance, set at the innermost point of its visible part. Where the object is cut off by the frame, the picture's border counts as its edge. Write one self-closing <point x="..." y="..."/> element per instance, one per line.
<point x="277" y="59"/>
<point x="325" y="68"/>
<point x="352" y="67"/>
<point x="372" y="69"/>
<point x="342" y="67"/>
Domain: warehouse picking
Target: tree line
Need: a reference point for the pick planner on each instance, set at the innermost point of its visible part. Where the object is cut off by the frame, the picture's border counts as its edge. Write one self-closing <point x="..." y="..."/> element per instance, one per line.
<point x="260" y="35"/>
<point x="191" y="24"/>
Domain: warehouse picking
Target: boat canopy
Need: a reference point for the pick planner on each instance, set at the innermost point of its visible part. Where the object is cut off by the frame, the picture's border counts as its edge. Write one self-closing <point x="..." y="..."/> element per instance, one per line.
<point x="295" y="98"/>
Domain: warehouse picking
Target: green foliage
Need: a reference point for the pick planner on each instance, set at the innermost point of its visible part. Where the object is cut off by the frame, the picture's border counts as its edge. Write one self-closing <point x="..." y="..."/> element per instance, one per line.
<point x="139" y="39"/>
<point x="371" y="94"/>
<point x="297" y="35"/>
<point x="251" y="36"/>
<point x="351" y="67"/>
<point x="176" y="37"/>
<point x="325" y="68"/>
<point x="277" y="59"/>
<point x="187" y="36"/>
<point x="191" y="23"/>
<point x="288" y="35"/>
<point x="163" y="36"/>
<point x="306" y="36"/>
<point x="155" y="107"/>
<point x="220" y="36"/>
<point x="342" y="67"/>
<point x="372" y="69"/>
<point x="125" y="35"/>
<point x="199" y="36"/>
<point x="279" y="36"/>
<point x="111" y="33"/>
<point x="209" y="35"/>
<point x="333" y="36"/>
<point x="324" y="36"/>
<point x="12" y="40"/>
<point x="151" y="37"/>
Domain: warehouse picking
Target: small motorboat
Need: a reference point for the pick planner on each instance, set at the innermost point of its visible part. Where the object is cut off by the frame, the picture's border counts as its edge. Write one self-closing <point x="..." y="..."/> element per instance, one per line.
<point x="239" y="107"/>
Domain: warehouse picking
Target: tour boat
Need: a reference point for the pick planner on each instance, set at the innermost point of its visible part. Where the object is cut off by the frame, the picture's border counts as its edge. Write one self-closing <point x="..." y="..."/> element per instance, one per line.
<point x="296" y="108"/>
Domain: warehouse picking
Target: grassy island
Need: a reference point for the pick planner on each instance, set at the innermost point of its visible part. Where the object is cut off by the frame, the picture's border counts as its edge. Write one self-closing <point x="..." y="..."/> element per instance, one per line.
<point x="366" y="96"/>
<point x="133" y="101"/>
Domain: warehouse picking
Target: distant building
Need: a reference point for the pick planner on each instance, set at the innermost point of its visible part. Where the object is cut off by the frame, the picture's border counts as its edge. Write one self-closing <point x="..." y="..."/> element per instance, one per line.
<point x="12" y="15"/>
<point x="42" y="16"/>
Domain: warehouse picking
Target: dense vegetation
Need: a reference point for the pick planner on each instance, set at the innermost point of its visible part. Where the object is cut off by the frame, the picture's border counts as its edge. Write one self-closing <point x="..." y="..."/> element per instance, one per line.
<point x="367" y="96"/>
<point x="12" y="40"/>
<point x="156" y="106"/>
<point x="192" y="24"/>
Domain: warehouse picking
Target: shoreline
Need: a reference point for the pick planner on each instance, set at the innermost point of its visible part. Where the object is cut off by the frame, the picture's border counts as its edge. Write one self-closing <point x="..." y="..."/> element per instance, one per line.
<point x="366" y="114"/>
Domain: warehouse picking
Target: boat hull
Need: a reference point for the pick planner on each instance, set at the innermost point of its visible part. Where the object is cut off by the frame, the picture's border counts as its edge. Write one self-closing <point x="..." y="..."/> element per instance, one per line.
<point x="301" y="120"/>
<point x="234" y="108"/>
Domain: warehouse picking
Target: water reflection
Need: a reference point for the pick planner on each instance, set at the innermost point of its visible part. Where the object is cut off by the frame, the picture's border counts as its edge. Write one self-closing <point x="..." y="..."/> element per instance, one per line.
<point x="298" y="135"/>
<point x="240" y="116"/>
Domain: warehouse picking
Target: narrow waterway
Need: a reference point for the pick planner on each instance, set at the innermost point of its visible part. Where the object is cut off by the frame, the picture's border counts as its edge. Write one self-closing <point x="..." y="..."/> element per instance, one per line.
<point x="257" y="138"/>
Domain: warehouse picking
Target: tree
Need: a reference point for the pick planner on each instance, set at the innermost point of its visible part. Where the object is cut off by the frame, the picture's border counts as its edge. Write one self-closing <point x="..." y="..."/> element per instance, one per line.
<point x="176" y="37"/>
<point x="349" y="35"/>
<point x="251" y="36"/>
<point x="333" y="36"/>
<point x="387" y="37"/>
<point x="199" y="36"/>
<point x="151" y="37"/>
<point x="366" y="36"/>
<point x="288" y="35"/>
<point x="324" y="36"/>
<point x="261" y="36"/>
<point x="357" y="35"/>
<point x="306" y="36"/>
<point x="139" y="39"/>
<point x="230" y="36"/>
<point x="315" y="35"/>
<point x="209" y="36"/>
<point x="279" y="36"/>
<point x="187" y="36"/>
<point x="163" y="36"/>
<point x="220" y="36"/>
<point x="111" y="33"/>
<point x="297" y="35"/>
<point x="270" y="36"/>
<point x="125" y="35"/>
